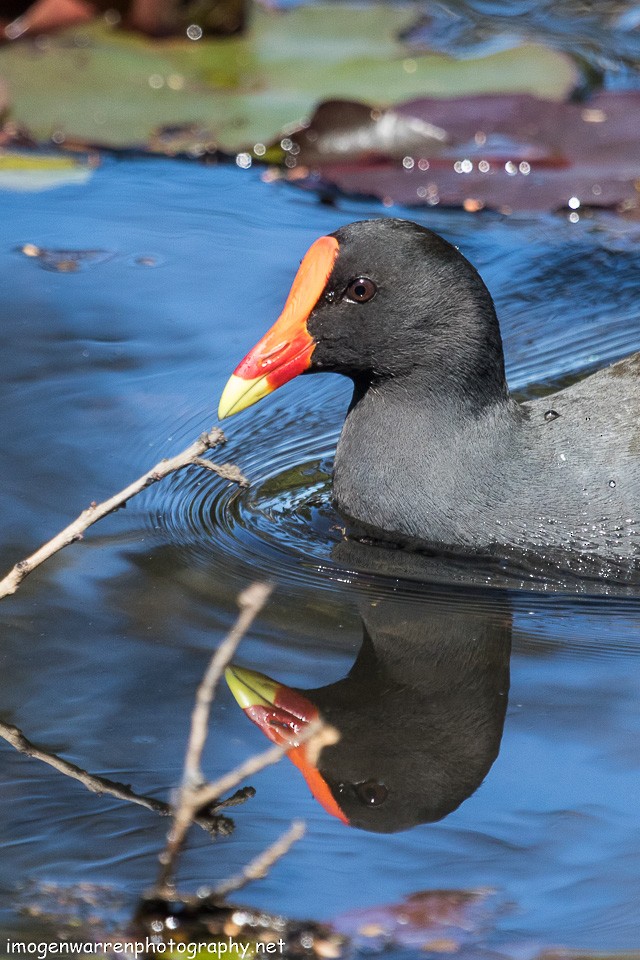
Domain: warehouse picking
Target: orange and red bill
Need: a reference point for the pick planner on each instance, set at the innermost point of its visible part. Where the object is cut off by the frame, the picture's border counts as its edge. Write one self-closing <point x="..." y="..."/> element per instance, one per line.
<point x="282" y="714"/>
<point x="285" y="350"/>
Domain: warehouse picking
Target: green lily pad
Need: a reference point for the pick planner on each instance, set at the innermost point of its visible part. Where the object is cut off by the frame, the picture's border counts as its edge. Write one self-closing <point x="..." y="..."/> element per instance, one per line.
<point x="99" y="85"/>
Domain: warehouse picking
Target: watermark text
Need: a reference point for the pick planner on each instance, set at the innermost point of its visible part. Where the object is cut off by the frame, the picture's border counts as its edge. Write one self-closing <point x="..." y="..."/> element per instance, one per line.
<point x="229" y="949"/>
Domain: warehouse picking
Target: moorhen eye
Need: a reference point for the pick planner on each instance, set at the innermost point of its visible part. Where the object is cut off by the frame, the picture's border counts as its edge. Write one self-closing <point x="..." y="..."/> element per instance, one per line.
<point x="361" y="290"/>
<point x="372" y="793"/>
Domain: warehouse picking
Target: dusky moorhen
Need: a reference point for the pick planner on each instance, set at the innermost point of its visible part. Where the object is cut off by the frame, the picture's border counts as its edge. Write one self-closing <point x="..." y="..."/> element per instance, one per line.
<point x="434" y="447"/>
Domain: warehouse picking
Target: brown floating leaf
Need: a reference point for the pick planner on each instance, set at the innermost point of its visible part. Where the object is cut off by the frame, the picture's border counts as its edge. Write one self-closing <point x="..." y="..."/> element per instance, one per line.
<point x="449" y="918"/>
<point x="505" y="152"/>
<point x="352" y="131"/>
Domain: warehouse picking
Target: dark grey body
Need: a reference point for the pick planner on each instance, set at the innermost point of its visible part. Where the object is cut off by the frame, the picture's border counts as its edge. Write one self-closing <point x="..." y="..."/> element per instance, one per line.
<point x="509" y="475"/>
<point x="434" y="447"/>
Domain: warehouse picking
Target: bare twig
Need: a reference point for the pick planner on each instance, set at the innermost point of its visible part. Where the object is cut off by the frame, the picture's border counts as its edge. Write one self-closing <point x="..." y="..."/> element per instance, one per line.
<point x="96" y="511"/>
<point x="260" y="866"/>
<point x="191" y="797"/>
<point x="95" y="784"/>
<point x="240" y="796"/>
<point x="195" y="794"/>
<point x="250" y="602"/>
<point x="101" y="785"/>
<point x="228" y="471"/>
<point x="317" y="735"/>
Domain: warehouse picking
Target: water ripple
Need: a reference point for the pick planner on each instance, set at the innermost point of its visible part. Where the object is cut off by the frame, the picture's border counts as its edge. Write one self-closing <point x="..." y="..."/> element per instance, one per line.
<point x="282" y="525"/>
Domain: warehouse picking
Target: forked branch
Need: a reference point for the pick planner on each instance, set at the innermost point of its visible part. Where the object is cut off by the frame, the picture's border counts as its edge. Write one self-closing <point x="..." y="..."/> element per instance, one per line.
<point x="96" y="511"/>
<point x="195" y="793"/>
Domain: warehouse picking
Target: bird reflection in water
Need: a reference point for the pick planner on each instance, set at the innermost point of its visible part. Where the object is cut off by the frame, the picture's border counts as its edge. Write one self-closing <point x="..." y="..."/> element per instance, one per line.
<point x="420" y="714"/>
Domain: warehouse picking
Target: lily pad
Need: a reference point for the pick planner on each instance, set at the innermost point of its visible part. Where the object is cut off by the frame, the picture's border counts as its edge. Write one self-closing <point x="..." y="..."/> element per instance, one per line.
<point x="502" y="152"/>
<point x="99" y="85"/>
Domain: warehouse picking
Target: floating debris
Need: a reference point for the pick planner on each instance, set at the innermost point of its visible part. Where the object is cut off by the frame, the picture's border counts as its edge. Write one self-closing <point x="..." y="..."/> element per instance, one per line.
<point x="65" y="261"/>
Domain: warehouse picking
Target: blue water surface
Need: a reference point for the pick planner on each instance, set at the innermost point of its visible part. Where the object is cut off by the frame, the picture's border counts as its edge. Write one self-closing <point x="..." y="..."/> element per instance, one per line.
<point x="109" y="368"/>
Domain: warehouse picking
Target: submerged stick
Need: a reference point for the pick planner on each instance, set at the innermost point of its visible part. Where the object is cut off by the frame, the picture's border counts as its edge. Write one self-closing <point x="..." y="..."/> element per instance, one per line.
<point x="259" y="867"/>
<point x="96" y="511"/>
<point x="101" y="785"/>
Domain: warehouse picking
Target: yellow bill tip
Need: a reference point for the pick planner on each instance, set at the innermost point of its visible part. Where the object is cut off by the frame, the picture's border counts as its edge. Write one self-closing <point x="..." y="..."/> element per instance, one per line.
<point x="251" y="689"/>
<point x="240" y="394"/>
